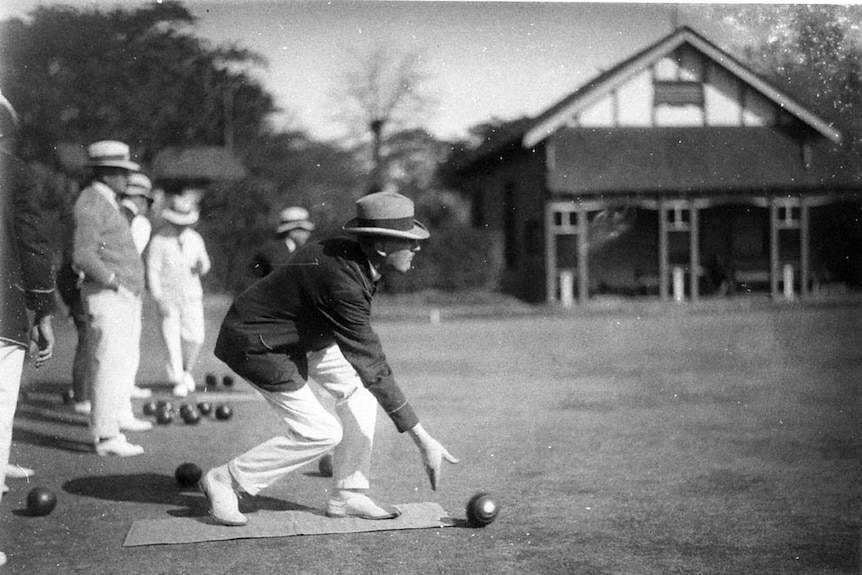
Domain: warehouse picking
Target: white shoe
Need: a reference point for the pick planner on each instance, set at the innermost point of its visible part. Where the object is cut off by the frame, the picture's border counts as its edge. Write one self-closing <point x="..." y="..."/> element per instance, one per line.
<point x="17" y="472"/>
<point x="2" y="559"/>
<point x="217" y="485"/>
<point x="135" y="424"/>
<point x="4" y="488"/>
<point x="83" y="407"/>
<point x="189" y="380"/>
<point x="180" y="390"/>
<point x="358" y="505"/>
<point x="141" y="392"/>
<point x="118" y="446"/>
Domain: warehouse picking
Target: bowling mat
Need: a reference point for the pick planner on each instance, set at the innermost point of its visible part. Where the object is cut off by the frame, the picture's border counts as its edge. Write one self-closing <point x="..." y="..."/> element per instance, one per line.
<point x="267" y="523"/>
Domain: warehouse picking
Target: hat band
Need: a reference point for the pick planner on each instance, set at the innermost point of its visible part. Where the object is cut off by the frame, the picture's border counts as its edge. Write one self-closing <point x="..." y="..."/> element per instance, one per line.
<point x="116" y="158"/>
<point x="400" y="224"/>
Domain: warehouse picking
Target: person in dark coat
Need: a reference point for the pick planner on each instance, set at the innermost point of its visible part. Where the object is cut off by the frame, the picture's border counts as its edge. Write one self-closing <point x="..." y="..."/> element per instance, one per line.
<point x="293" y="231"/>
<point x="311" y="319"/>
<point x="26" y="280"/>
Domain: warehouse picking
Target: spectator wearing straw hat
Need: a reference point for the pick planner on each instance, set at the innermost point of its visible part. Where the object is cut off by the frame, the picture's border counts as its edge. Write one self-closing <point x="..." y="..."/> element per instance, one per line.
<point x="28" y="282"/>
<point x="113" y="283"/>
<point x="293" y="231"/>
<point x="176" y="260"/>
<point x="311" y="319"/>
<point x="135" y="205"/>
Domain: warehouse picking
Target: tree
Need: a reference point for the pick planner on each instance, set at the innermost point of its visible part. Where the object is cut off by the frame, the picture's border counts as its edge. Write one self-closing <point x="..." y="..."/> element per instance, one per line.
<point x="322" y="177"/>
<point x="383" y="92"/>
<point x="814" y="52"/>
<point x="140" y="76"/>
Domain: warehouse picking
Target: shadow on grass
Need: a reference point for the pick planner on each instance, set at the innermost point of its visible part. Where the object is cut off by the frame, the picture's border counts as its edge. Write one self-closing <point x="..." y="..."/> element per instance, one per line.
<point x="35" y="411"/>
<point x="164" y="490"/>
<point x="24" y="512"/>
<point x="316" y="473"/>
<point x="51" y="440"/>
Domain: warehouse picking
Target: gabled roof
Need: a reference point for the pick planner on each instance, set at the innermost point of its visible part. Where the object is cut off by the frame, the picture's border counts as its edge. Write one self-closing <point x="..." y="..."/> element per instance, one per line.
<point x="558" y="115"/>
<point x="212" y="163"/>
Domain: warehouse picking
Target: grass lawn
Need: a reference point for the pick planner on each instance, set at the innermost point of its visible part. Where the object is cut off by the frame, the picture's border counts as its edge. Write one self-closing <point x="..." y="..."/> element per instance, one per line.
<point x="651" y="440"/>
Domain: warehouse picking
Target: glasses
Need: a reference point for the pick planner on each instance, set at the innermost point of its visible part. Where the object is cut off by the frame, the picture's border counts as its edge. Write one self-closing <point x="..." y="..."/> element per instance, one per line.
<point x="404" y="244"/>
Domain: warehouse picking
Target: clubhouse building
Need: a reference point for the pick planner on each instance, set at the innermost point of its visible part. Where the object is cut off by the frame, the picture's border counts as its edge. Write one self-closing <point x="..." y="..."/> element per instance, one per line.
<point x="679" y="173"/>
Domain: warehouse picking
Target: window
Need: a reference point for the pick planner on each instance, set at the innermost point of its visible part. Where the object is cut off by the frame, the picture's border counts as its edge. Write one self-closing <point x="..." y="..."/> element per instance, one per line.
<point x="678" y="93"/>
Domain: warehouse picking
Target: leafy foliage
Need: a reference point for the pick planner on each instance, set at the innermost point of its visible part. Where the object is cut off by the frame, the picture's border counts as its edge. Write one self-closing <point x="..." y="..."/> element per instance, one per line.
<point x="812" y="51"/>
<point x="453" y="259"/>
<point x="142" y="76"/>
<point x="138" y="76"/>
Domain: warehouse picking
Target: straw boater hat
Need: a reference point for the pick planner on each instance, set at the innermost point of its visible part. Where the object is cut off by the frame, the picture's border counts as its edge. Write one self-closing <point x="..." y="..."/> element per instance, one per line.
<point x="139" y="185"/>
<point x="110" y="154"/>
<point x="181" y="212"/>
<point x="386" y="214"/>
<point x="293" y="218"/>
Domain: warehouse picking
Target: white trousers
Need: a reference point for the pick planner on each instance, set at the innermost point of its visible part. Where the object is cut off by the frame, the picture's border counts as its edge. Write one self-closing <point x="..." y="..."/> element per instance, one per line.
<point x="183" y="334"/>
<point x="11" y="366"/>
<point x="114" y="339"/>
<point x="311" y="430"/>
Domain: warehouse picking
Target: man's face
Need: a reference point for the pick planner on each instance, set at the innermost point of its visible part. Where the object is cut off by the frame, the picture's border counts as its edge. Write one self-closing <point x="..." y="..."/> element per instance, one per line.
<point x="399" y="253"/>
<point x="116" y="179"/>
<point x="299" y="236"/>
<point x="142" y="203"/>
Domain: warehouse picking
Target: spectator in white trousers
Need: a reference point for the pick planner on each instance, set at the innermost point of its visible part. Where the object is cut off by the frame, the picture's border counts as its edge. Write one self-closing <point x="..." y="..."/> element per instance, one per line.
<point x="176" y="260"/>
<point x="135" y="205"/>
<point x="104" y="251"/>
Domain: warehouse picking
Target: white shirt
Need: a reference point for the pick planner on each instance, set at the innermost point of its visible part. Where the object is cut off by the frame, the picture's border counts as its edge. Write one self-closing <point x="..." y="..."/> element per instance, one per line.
<point x="171" y="263"/>
<point x="140" y="225"/>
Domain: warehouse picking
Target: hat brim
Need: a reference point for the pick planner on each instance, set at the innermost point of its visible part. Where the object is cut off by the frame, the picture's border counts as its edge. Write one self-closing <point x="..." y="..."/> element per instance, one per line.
<point x="180" y="219"/>
<point x="138" y="194"/>
<point x="419" y="232"/>
<point x="286" y="227"/>
<point x="124" y="164"/>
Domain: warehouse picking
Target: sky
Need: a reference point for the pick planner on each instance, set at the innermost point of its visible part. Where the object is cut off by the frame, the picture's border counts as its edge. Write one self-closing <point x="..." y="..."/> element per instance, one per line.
<point x="485" y="61"/>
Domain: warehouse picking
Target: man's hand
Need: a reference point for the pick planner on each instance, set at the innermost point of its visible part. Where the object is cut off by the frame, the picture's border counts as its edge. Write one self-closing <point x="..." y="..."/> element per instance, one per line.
<point x="42" y="340"/>
<point x="433" y="453"/>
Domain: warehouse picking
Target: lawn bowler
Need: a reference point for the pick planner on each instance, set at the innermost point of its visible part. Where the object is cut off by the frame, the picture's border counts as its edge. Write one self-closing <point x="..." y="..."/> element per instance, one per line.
<point x="311" y="319"/>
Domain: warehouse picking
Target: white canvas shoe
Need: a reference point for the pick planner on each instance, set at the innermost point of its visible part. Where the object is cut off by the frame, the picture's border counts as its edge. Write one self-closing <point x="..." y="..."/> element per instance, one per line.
<point x="358" y="505"/>
<point x="118" y="446"/>
<point x="180" y="390"/>
<point x="135" y="424"/>
<point x="17" y="472"/>
<point x="217" y="485"/>
<point x="189" y="380"/>
<point x="83" y="407"/>
<point x="141" y="392"/>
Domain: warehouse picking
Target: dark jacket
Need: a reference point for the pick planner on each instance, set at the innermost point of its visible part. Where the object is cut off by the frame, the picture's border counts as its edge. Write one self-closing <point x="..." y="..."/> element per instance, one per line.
<point x="26" y="278"/>
<point x="273" y="255"/>
<point x="323" y="296"/>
